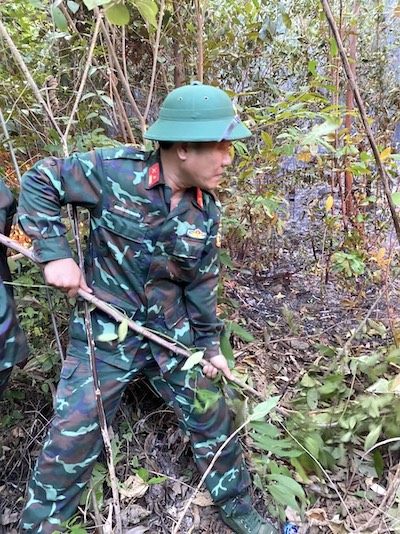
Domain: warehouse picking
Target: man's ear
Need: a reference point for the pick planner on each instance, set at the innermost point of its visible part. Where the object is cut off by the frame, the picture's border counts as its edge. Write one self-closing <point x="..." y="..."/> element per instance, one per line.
<point x="182" y="150"/>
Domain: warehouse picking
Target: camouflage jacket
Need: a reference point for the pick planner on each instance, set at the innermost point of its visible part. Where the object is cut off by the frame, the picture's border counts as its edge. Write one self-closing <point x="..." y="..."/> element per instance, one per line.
<point x="160" y="267"/>
<point x="13" y="346"/>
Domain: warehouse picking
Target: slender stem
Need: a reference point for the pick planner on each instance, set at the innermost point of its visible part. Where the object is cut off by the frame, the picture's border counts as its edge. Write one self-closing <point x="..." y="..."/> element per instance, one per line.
<point x="10" y="146"/>
<point x="363" y="114"/>
<point x="155" y="56"/>
<point x="206" y="473"/>
<point x="19" y="59"/>
<point x="85" y="73"/>
<point x="121" y="75"/>
<point x="199" y="16"/>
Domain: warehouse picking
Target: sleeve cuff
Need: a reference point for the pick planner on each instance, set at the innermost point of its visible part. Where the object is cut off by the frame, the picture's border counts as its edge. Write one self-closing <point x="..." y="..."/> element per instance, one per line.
<point x="210" y="347"/>
<point x="51" y="248"/>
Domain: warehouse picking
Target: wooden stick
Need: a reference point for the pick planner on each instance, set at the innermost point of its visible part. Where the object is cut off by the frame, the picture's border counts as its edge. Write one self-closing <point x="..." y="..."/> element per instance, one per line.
<point x="120" y="317"/>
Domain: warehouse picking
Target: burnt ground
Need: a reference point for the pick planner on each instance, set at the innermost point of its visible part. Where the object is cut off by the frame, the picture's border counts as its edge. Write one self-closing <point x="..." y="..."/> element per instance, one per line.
<point x="289" y="309"/>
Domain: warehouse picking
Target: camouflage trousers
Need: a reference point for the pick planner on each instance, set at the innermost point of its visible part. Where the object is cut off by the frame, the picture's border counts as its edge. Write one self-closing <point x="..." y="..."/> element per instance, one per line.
<point x="74" y="439"/>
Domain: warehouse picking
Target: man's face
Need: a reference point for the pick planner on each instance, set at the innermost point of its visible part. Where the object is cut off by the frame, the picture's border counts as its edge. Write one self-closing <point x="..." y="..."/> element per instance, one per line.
<point x="205" y="163"/>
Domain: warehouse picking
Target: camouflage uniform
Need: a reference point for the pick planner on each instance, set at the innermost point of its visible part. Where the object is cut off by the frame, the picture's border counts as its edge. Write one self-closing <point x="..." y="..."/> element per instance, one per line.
<point x="13" y="346"/>
<point x="161" y="268"/>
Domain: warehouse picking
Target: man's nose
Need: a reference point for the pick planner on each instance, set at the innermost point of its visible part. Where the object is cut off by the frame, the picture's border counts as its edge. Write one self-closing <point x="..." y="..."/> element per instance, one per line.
<point x="227" y="159"/>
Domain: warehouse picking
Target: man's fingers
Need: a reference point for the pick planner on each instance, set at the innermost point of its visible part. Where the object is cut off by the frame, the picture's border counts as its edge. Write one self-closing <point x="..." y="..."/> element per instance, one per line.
<point x="83" y="285"/>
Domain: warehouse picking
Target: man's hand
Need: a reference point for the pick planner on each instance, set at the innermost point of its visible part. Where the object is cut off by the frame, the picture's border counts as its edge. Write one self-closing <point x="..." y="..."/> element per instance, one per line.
<point x="215" y="364"/>
<point x="66" y="276"/>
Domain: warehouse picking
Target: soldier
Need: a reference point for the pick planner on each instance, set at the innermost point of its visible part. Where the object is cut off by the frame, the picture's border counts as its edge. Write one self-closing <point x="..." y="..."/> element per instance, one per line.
<point x="13" y="345"/>
<point x="152" y="252"/>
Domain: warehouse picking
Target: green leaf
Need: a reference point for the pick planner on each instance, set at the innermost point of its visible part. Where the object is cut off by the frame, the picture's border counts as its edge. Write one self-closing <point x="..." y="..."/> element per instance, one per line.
<point x="106" y="120"/>
<point x="372" y="437"/>
<point x="262" y="409"/>
<point x="72" y="6"/>
<point x="268" y="142"/>
<point x="334" y="48"/>
<point x="117" y="14"/>
<point x="85" y="96"/>
<point x="326" y="350"/>
<point x="265" y="429"/>
<point x="378" y="462"/>
<point x="226" y="349"/>
<point x="396" y="199"/>
<point x="312" y="398"/>
<point x="122" y="330"/>
<point x="148" y="9"/>
<point x="313" y="444"/>
<point x="242" y="333"/>
<point x="59" y="19"/>
<point x="287" y="21"/>
<point x="312" y="67"/>
<point x="291" y="485"/>
<point x="91" y="4"/>
<point x="12" y="265"/>
<point x="193" y="360"/>
<point x="307" y="381"/>
<point x="204" y="399"/>
<point x="108" y="100"/>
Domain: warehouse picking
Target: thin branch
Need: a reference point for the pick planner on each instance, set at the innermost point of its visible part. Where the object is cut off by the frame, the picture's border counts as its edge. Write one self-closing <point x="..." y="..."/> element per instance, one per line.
<point x="124" y="116"/>
<point x="19" y="59"/>
<point x="121" y="76"/>
<point x="155" y="56"/>
<point x="206" y="473"/>
<point x="85" y="73"/>
<point x="199" y="17"/>
<point x="363" y="115"/>
<point x="10" y="145"/>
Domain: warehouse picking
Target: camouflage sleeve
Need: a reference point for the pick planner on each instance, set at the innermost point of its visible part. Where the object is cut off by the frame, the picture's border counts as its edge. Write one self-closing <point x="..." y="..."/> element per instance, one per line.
<point x="7" y="208"/>
<point x="49" y="185"/>
<point x="7" y="211"/>
<point x="13" y="347"/>
<point x="201" y="299"/>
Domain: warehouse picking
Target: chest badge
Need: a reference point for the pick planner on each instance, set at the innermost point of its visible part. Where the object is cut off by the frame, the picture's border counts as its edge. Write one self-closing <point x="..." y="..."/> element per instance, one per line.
<point x="196" y="233"/>
<point x="154" y="174"/>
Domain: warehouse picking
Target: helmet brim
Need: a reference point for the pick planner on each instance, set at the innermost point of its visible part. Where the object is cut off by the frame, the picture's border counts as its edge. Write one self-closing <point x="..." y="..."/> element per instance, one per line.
<point x="196" y="131"/>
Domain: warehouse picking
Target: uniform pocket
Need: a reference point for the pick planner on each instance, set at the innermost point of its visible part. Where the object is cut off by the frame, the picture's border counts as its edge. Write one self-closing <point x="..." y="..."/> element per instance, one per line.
<point x="69" y="367"/>
<point x="174" y="315"/>
<point x="187" y="251"/>
<point x="125" y="222"/>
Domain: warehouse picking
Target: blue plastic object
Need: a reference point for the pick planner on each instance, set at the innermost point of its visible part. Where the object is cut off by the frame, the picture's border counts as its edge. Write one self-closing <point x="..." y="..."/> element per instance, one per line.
<point x="289" y="528"/>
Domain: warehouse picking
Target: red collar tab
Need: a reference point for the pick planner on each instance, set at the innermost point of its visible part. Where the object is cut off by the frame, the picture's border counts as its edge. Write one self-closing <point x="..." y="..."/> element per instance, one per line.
<point x="199" y="198"/>
<point x="154" y="174"/>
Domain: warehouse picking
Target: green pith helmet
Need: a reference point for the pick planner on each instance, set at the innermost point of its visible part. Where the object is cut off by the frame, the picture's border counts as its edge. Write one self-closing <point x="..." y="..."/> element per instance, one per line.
<point x="196" y="113"/>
